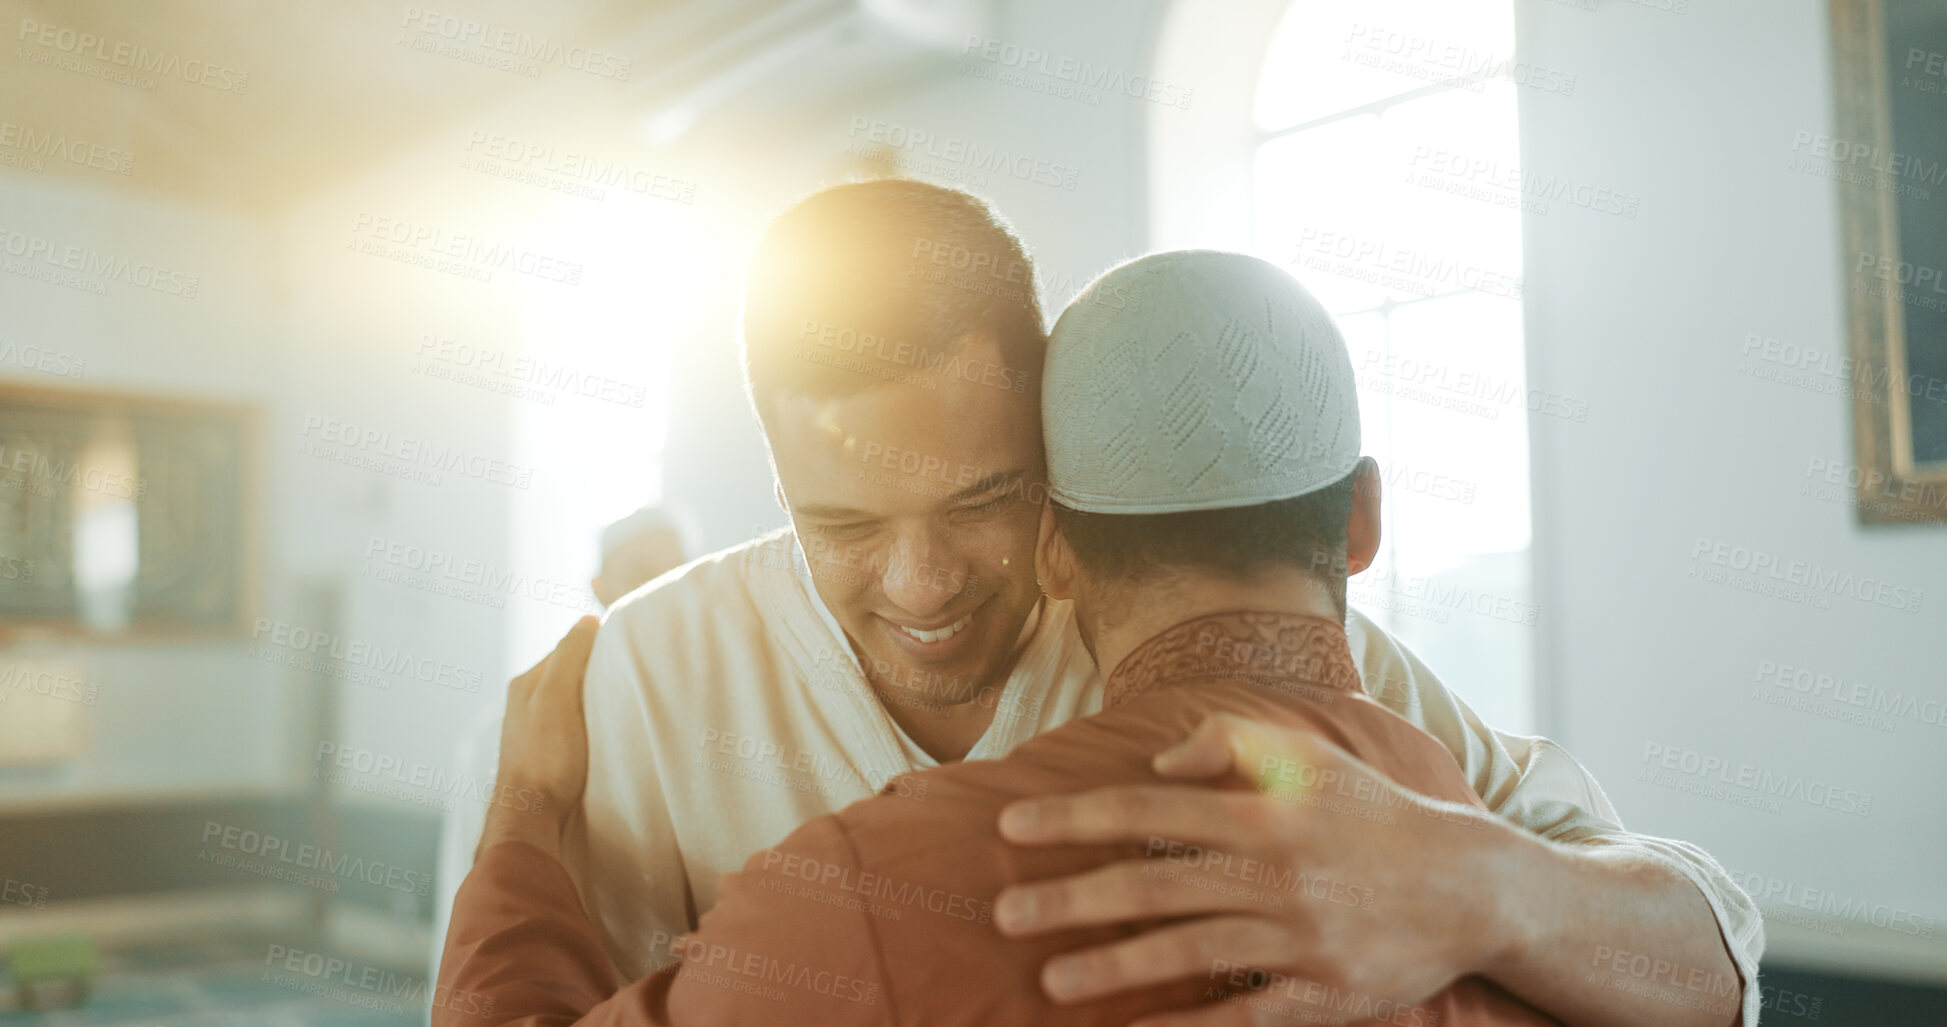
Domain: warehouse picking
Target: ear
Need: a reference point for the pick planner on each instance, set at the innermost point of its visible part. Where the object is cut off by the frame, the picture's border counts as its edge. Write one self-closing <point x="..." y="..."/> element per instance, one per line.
<point x="1054" y="562"/>
<point x="1362" y="532"/>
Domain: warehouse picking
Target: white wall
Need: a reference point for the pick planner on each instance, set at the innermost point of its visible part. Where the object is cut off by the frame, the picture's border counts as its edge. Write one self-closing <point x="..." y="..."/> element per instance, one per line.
<point x="229" y="714"/>
<point x="1646" y="319"/>
<point x="602" y="309"/>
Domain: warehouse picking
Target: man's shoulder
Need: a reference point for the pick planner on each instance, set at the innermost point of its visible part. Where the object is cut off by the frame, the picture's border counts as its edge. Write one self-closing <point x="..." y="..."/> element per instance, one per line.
<point x="724" y="616"/>
<point x="930" y="863"/>
<point x="955" y="803"/>
<point x="708" y="587"/>
<point x="1392" y="675"/>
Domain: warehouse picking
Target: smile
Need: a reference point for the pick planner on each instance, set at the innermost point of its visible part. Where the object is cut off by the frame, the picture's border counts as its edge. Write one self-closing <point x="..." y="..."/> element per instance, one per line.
<point x="940" y="634"/>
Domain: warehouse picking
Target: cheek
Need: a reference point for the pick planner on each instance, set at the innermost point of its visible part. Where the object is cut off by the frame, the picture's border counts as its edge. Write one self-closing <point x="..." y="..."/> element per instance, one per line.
<point x="845" y="575"/>
<point x="1006" y="553"/>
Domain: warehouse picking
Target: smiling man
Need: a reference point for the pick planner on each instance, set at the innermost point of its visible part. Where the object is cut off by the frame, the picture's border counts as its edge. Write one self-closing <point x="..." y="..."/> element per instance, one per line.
<point x="893" y="346"/>
<point x="1207" y="578"/>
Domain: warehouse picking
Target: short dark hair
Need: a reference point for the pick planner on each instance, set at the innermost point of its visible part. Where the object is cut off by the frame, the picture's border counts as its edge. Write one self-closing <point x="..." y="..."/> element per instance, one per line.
<point x="1306" y="532"/>
<point x="913" y="269"/>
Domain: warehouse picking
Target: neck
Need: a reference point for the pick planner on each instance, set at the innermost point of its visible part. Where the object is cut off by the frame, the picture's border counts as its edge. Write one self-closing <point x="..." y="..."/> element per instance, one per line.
<point x="1146" y="611"/>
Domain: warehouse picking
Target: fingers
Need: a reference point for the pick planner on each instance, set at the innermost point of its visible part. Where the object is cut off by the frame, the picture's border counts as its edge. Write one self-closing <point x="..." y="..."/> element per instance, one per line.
<point x="1141" y="889"/>
<point x="1279" y="761"/>
<point x="1191" y="949"/>
<point x="1187" y="813"/>
<point x="528" y="678"/>
<point x="562" y="667"/>
<point x="1206" y="753"/>
<point x="568" y="664"/>
<point x="1226" y="743"/>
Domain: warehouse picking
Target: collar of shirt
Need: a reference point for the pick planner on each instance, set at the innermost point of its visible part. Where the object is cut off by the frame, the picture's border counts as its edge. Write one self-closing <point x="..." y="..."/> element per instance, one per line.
<point x="1285" y="653"/>
<point x="803" y="567"/>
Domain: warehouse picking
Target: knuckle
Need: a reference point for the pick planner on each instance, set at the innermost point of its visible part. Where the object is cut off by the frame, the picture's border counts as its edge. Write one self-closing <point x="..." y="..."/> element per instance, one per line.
<point x="1328" y="966"/>
<point x="1189" y="950"/>
<point x="1271" y="941"/>
<point x="1227" y="938"/>
<point x="1203" y="947"/>
<point x="1261" y="816"/>
<point x="1129" y="964"/>
<point x="1129" y="804"/>
<point x="1304" y="937"/>
<point x="1053" y="815"/>
<point x="1052" y="903"/>
<point x="1149" y="890"/>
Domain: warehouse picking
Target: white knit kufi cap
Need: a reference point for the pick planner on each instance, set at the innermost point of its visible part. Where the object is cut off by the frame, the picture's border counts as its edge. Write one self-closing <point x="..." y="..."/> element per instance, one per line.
<point x="1196" y="380"/>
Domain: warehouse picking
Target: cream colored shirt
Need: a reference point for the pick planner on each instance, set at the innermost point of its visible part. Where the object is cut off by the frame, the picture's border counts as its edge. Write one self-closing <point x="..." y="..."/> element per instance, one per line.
<point x="725" y="708"/>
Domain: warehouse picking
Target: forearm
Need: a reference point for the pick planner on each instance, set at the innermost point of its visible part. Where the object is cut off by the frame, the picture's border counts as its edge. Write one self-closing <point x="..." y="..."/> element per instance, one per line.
<point x="1590" y="901"/>
<point x="520" y="949"/>
<point x="1603" y="936"/>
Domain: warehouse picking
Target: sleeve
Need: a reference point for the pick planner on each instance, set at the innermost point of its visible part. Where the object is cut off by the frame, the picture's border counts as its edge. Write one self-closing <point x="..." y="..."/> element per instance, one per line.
<point x="790" y="940"/>
<point x="620" y="847"/>
<point x="1537" y="785"/>
<point x="477" y="756"/>
<point x="521" y="953"/>
<point x="782" y="945"/>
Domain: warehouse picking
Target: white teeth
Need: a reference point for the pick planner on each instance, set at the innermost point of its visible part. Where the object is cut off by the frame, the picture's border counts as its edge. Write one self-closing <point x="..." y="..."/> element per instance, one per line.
<point x="942" y="634"/>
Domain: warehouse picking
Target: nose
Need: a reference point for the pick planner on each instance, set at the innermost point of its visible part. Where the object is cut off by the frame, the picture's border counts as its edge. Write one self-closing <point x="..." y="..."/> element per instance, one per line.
<point x="922" y="574"/>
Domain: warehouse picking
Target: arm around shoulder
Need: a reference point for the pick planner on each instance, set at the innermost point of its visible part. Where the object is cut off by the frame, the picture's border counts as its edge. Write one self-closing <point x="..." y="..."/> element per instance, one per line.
<point x="1657" y="896"/>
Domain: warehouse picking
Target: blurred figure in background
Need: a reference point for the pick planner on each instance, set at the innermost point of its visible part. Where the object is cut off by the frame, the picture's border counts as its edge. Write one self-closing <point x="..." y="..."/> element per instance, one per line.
<point x="639" y="549"/>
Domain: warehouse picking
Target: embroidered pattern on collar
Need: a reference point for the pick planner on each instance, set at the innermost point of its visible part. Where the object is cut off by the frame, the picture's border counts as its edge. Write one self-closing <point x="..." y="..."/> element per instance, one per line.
<point x="1284" y="652"/>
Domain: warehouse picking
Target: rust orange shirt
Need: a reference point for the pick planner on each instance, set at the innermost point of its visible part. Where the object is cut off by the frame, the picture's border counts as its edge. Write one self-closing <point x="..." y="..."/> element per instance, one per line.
<point x="880" y="914"/>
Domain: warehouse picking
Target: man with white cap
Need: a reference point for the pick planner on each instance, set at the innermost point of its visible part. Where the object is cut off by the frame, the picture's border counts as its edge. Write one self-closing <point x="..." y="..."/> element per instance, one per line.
<point x="893" y="350"/>
<point x="1208" y="501"/>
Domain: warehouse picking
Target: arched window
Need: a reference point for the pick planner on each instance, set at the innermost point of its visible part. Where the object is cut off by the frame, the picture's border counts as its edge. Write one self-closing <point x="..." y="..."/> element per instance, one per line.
<point x="1377" y="145"/>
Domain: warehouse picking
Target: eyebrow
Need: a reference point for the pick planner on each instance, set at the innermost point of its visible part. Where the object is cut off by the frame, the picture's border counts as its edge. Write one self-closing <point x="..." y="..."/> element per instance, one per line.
<point x="831" y="513"/>
<point x="987" y="484"/>
<point x="825" y="512"/>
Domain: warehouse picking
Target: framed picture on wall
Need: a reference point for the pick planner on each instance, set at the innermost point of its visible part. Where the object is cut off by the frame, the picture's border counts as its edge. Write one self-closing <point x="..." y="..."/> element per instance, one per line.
<point x="125" y="515"/>
<point x="1888" y="153"/>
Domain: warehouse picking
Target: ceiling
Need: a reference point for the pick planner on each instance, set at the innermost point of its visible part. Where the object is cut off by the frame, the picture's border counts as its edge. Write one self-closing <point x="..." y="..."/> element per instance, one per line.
<point x="335" y="88"/>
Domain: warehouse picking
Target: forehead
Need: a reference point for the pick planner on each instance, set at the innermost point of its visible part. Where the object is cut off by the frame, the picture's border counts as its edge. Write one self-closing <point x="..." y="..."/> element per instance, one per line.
<point x="949" y="427"/>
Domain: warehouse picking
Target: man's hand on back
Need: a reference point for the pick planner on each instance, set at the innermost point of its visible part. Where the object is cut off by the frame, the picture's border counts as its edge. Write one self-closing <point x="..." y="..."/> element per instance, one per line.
<point x="1396" y="898"/>
<point x="544" y="745"/>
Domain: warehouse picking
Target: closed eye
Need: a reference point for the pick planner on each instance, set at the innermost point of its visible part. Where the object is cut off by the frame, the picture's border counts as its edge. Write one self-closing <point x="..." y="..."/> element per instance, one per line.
<point x="845" y="532"/>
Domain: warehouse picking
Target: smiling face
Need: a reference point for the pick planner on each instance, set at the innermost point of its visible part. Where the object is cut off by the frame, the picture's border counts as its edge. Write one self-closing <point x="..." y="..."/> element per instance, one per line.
<point x="915" y="503"/>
